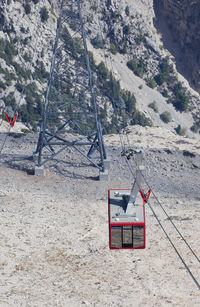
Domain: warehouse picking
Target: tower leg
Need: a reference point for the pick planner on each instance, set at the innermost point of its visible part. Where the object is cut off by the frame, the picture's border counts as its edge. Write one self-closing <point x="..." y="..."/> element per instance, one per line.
<point x="107" y="163"/>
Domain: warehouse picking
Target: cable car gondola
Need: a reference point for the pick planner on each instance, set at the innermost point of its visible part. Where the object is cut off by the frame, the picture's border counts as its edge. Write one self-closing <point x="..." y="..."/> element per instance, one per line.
<point x="126" y="208"/>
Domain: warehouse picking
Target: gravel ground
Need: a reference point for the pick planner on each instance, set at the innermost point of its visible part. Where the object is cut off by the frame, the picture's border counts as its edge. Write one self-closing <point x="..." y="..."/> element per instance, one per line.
<point x="54" y="230"/>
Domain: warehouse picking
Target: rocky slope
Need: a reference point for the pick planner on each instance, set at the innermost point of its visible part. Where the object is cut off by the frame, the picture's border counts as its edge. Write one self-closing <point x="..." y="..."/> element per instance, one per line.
<point x="179" y="23"/>
<point x="121" y="30"/>
<point x="182" y="18"/>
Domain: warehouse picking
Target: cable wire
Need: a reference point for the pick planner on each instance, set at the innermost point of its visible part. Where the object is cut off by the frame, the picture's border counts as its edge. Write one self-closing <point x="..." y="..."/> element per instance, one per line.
<point x="179" y="255"/>
<point x="171" y="220"/>
<point x="194" y="254"/>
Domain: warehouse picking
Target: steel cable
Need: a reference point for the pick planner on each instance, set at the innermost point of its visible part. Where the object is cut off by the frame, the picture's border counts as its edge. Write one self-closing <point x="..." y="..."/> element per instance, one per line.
<point x="179" y="255"/>
<point x="171" y="220"/>
<point x="181" y="258"/>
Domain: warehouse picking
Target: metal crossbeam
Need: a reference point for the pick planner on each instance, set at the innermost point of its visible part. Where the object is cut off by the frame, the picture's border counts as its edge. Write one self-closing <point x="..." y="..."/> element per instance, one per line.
<point x="70" y="101"/>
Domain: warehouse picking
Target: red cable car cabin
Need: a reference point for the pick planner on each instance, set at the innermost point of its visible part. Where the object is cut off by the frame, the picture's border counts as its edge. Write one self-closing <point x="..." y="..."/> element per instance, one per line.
<point x="126" y="219"/>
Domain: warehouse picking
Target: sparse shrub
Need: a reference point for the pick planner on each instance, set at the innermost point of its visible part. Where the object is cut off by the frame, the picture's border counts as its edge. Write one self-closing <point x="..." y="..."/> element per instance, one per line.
<point x="103" y="71"/>
<point x="25" y="131"/>
<point x="166" y="117"/>
<point x="21" y="72"/>
<point x="124" y="49"/>
<point x="166" y="71"/>
<point x="32" y="110"/>
<point x="44" y="15"/>
<point x="153" y="105"/>
<point x="35" y="1"/>
<point x="113" y="49"/>
<point x="165" y="93"/>
<point x="89" y="19"/>
<point x="19" y="87"/>
<point x="151" y="82"/>
<point x="27" y="8"/>
<point x="22" y="29"/>
<point x="94" y="7"/>
<point x="40" y="72"/>
<point x="7" y="51"/>
<point x="138" y="67"/>
<point x="42" y="53"/>
<point x="73" y="46"/>
<point x="141" y="119"/>
<point x="2" y="85"/>
<point x="180" y="99"/>
<point x="2" y="20"/>
<point x="194" y="128"/>
<point x="126" y="29"/>
<point x="103" y="113"/>
<point x="1" y="70"/>
<point x="25" y="41"/>
<point x="130" y="101"/>
<point x="116" y="16"/>
<point x="127" y="11"/>
<point x="9" y="77"/>
<point x="27" y="57"/>
<point x="112" y="90"/>
<point x="73" y="25"/>
<point x="132" y="64"/>
<point x="10" y="100"/>
<point x="98" y="41"/>
<point x="141" y="38"/>
<point x="180" y="131"/>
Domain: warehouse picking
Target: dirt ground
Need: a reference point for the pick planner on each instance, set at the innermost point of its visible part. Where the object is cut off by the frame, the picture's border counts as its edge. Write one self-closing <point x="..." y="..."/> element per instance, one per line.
<point x="54" y="232"/>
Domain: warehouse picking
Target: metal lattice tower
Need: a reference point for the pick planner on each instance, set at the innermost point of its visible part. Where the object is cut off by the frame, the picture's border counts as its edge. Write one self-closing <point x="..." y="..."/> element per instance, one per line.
<point x="70" y="116"/>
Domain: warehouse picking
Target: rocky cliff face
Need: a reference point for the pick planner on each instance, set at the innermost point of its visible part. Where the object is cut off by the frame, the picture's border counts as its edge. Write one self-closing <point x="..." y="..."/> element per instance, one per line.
<point x="121" y="30"/>
<point x="183" y="19"/>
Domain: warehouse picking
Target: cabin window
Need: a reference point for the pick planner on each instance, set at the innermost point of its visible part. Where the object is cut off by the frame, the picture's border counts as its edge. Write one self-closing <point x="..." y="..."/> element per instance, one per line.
<point x="127" y="236"/>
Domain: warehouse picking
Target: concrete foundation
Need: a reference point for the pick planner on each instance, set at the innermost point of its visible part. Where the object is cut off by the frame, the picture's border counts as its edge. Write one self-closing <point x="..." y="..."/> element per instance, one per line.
<point x="39" y="171"/>
<point x="103" y="176"/>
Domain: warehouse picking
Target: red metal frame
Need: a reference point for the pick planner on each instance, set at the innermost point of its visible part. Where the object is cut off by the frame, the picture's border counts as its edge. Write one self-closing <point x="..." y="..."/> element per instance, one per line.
<point x="145" y="197"/>
<point x="11" y="123"/>
<point x="124" y="224"/>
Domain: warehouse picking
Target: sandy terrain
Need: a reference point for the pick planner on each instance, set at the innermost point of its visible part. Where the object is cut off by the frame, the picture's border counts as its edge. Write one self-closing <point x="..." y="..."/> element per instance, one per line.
<point x="54" y="230"/>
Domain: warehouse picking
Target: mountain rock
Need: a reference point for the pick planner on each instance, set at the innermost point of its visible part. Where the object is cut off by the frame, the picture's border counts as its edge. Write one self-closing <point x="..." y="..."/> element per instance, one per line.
<point x="184" y="26"/>
<point x="123" y="31"/>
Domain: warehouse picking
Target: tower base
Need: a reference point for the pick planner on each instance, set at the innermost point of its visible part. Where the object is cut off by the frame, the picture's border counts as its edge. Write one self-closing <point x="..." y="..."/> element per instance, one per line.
<point x="103" y="176"/>
<point x="39" y="171"/>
